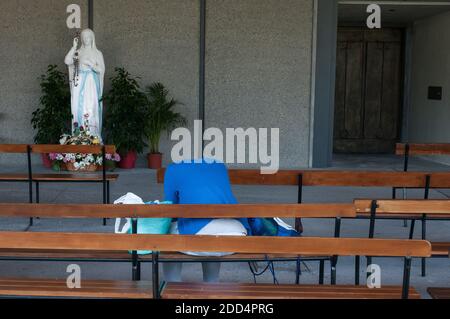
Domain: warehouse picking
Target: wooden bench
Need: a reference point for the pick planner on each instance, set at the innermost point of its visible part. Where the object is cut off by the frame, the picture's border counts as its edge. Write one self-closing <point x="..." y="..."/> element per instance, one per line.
<point x="98" y="289"/>
<point x="439" y="293"/>
<point x="414" y="209"/>
<point x="30" y="177"/>
<point x="319" y="178"/>
<point x="174" y="243"/>
<point x="408" y="150"/>
<point x="337" y="246"/>
<point x="331" y="178"/>
<point x="337" y="211"/>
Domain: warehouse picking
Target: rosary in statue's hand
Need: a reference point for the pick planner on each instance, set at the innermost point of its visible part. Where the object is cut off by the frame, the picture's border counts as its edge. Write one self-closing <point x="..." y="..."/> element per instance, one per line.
<point x="75" y="43"/>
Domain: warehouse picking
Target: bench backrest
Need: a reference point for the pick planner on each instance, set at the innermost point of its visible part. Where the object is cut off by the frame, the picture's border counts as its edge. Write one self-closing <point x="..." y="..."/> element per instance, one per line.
<point x="406" y="207"/>
<point x="14" y="148"/>
<point x="336" y="178"/>
<point x="43" y="149"/>
<point x="177" y="211"/>
<point x="178" y="243"/>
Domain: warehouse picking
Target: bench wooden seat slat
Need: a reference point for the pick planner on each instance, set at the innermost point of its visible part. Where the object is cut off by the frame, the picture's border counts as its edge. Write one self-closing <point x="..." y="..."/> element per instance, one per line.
<point x="90" y="288"/>
<point x="85" y="149"/>
<point x="439" y="293"/>
<point x="64" y="254"/>
<point x="406" y="207"/>
<point x="59" y="177"/>
<point x="405" y="216"/>
<point x="27" y="254"/>
<point x="44" y="149"/>
<point x="13" y="148"/>
<point x="14" y="177"/>
<point x="73" y="177"/>
<point x="424" y="149"/>
<point x="266" y="291"/>
<point x="242" y="256"/>
<point x="335" y="178"/>
<point x="193" y="211"/>
<point x="177" y="243"/>
<point x="440" y="249"/>
<point x="66" y="211"/>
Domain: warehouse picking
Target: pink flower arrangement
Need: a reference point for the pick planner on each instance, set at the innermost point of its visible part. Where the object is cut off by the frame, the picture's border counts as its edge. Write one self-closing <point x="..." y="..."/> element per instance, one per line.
<point x="82" y="161"/>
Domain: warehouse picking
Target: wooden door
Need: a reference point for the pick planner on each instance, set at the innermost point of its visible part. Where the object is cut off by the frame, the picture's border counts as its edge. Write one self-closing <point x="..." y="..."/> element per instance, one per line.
<point x="368" y="105"/>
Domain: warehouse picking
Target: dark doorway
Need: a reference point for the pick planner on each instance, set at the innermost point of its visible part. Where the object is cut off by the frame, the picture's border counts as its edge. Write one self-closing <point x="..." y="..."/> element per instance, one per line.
<point x="368" y="107"/>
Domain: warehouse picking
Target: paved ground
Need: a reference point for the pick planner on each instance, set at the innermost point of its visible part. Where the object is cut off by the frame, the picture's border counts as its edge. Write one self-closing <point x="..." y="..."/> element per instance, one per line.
<point x="142" y="182"/>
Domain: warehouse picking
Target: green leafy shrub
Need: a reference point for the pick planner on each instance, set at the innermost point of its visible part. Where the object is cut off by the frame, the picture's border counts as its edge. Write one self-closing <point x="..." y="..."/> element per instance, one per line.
<point x="53" y="117"/>
<point x="125" y="113"/>
<point x="160" y="115"/>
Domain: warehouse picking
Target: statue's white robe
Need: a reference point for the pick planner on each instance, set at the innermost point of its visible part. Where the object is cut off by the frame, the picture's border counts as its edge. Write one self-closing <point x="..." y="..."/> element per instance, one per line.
<point x="86" y="100"/>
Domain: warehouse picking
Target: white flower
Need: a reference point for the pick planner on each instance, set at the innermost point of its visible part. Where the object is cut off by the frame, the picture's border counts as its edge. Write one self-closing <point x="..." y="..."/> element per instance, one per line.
<point x="69" y="158"/>
<point x="64" y="139"/>
<point x="89" y="159"/>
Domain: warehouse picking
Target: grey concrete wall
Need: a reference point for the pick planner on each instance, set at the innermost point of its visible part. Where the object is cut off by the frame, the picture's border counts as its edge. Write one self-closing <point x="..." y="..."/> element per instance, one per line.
<point x="33" y="34"/>
<point x="258" y="70"/>
<point x="428" y="119"/>
<point x="156" y="40"/>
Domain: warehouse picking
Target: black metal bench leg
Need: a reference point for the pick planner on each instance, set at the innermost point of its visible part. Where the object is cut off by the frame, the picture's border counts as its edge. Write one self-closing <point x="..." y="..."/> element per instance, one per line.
<point x="298" y="271"/>
<point x="406" y="277"/>
<point x="333" y="270"/>
<point x="369" y="262"/>
<point x="424" y="236"/>
<point x="38" y="197"/>
<point x="107" y="200"/>
<point x="357" y="269"/>
<point x="135" y="267"/>
<point x="138" y="271"/>
<point x="321" y="272"/>
<point x="108" y="193"/>
<point x="155" y="275"/>
<point x="411" y="231"/>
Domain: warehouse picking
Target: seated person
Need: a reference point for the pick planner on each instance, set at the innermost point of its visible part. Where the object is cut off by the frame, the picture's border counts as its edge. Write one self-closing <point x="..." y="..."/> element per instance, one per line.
<point x="201" y="183"/>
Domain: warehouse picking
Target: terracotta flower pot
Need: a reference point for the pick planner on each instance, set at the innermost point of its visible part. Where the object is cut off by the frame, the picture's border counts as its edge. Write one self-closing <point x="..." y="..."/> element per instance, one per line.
<point x="154" y="160"/>
<point x="46" y="161"/>
<point x="128" y="161"/>
<point x="86" y="169"/>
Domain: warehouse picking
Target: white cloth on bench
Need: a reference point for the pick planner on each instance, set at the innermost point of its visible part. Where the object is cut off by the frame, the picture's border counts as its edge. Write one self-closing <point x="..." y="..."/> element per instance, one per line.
<point x="128" y="199"/>
<point x="217" y="227"/>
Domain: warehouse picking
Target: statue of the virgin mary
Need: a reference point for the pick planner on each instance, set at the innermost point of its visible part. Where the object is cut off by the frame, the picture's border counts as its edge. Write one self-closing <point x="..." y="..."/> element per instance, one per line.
<point x="86" y="72"/>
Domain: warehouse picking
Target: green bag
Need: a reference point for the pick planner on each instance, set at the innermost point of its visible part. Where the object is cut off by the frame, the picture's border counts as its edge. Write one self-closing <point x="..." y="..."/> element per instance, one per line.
<point x="153" y="226"/>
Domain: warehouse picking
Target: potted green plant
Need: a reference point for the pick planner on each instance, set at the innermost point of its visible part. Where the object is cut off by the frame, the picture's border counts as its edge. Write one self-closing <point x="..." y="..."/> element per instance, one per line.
<point x="53" y="116"/>
<point x="161" y="117"/>
<point x="125" y="117"/>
